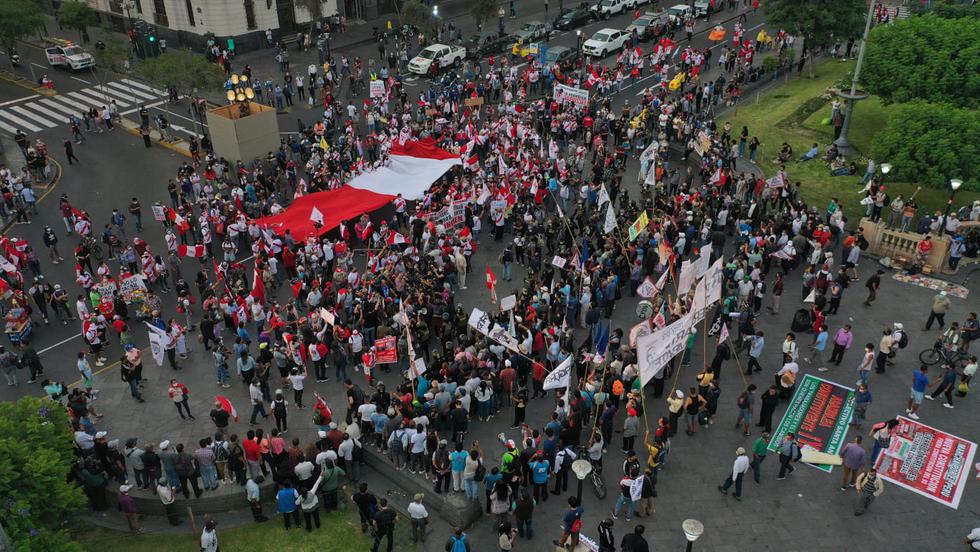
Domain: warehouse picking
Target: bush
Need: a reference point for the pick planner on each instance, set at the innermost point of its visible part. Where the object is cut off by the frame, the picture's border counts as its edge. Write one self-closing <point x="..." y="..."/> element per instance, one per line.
<point x="930" y="144"/>
<point x="36" y="454"/>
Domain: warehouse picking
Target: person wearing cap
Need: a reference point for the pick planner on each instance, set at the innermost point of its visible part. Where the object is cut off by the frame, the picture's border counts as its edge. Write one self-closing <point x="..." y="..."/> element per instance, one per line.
<point x="441" y="467"/>
<point x="739" y="468"/>
<point x="940" y="305"/>
<point x="168" y="496"/>
<point x="675" y="402"/>
<point x="127" y="506"/>
<point x="134" y="459"/>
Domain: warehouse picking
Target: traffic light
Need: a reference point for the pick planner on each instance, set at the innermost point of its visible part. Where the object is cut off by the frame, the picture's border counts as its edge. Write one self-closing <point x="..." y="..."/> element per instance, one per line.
<point x="153" y="47"/>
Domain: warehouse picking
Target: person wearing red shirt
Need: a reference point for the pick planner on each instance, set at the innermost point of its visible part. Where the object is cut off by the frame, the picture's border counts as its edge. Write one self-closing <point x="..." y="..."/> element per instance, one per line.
<point x="253" y="454"/>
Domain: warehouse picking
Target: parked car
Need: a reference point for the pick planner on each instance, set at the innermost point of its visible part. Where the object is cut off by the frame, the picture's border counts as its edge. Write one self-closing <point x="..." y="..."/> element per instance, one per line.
<point x="574" y="17"/>
<point x="679" y="14"/>
<point x="649" y="26"/>
<point x="608" y="8"/>
<point x="533" y="31"/>
<point x="482" y="44"/>
<point x="435" y="58"/>
<point x="70" y="56"/>
<point x="604" y="42"/>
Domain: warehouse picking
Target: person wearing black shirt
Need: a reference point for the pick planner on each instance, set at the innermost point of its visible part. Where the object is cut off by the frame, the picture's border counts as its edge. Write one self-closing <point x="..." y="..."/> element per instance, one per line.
<point x="634" y="542"/>
<point x="384" y="525"/>
<point x="607" y="541"/>
<point x="366" y="504"/>
<point x="219" y="416"/>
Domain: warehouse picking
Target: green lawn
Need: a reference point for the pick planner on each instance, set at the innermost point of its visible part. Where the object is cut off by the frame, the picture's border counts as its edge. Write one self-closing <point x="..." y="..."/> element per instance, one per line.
<point x="793" y="112"/>
<point x="339" y="532"/>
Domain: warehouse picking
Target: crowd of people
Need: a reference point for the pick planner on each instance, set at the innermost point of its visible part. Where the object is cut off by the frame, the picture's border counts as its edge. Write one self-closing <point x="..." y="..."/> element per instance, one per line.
<point x="546" y="179"/>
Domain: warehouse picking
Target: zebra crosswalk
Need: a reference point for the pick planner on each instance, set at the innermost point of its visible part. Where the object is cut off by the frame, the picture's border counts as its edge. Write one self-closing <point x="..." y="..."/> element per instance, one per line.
<point x="39" y="113"/>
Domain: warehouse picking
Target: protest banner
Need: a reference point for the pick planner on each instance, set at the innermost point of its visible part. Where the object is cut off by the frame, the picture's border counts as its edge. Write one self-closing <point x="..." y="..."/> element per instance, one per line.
<point x="927" y="461"/>
<point x="713" y="280"/>
<point x="159" y="212"/>
<point x="559" y="262"/>
<point x="327" y="316"/>
<point x="818" y="414"/>
<point x="647" y="288"/>
<point x="639" y="225"/>
<point x="686" y="279"/>
<point x="654" y="351"/>
<point x="701" y="265"/>
<point x="106" y="290"/>
<point x="472" y="102"/>
<point x="132" y="288"/>
<point x="569" y="94"/>
<point x="559" y="377"/>
<point x="385" y="350"/>
<point x="640" y="330"/>
<point x="377" y="88"/>
<point x="480" y="321"/>
<point x="508" y="303"/>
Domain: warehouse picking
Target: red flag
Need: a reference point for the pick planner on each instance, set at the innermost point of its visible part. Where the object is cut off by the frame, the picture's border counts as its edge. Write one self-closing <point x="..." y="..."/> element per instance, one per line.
<point x="368" y="230"/>
<point x="227" y="406"/>
<point x="492" y="285"/>
<point x="396" y="238"/>
<point x="218" y="271"/>
<point x="179" y="221"/>
<point x="321" y="406"/>
<point x="192" y="251"/>
<point x="258" y="287"/>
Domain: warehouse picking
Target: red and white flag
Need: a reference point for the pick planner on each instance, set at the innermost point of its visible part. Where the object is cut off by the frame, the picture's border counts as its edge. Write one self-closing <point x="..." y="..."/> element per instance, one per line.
<point x="227" y="406"/>
<point x="396" y="238"/>
<point x="258" y="286"/>
<point x="316" y="216"/>
<point x="179" y="221"/>
<point x="197" y="251"/>
<point x="723" y="334"/>
<point x="492" y="285"/>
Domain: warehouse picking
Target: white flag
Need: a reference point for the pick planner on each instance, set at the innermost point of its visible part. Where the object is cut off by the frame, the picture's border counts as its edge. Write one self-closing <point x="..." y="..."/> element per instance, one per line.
<point x="647" y="289"/>
<point x="316" y="216"/>
<point x="812" y="297"/>
<point x="603" y="196"/>
<point x="157" y="345"/>
<point x="610" y="223"/>
<point x="636" y="488"/>
<point x="558" y="377"/>
<point x="723" y="335"/>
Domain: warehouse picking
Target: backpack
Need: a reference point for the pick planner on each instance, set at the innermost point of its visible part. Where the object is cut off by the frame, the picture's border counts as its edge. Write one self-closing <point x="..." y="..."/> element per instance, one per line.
<point x="457" y="544"/>
<point x="903" y="341"/>
<point x="279" y="409"/>
<point x="797" y="453"/>
<point x="481" y="471"/>
<point x="357" y="453"/>
<point x="743" y="401"/>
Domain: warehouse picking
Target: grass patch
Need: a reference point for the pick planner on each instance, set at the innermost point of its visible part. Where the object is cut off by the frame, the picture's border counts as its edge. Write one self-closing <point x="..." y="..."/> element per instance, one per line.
<point x="339" y="532"/>
<point x="793" y="114"/>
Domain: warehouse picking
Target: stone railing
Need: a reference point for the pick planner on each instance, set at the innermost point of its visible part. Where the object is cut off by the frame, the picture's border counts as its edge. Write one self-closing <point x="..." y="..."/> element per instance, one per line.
<point x="901" y="247"/>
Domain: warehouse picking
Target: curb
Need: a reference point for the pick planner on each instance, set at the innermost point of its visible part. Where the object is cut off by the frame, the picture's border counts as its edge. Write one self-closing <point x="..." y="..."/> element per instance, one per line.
<point x="178" y="146"/>
<point x="17" y="80"/>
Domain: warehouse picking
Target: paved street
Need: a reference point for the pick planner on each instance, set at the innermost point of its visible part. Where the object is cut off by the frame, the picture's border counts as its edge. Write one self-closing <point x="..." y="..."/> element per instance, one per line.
<point x="805" y="512"/>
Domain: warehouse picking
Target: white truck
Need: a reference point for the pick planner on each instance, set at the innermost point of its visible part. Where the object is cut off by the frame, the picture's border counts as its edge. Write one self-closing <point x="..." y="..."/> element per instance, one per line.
<point x="70" y="56"/>
<point x="435" y="58"/>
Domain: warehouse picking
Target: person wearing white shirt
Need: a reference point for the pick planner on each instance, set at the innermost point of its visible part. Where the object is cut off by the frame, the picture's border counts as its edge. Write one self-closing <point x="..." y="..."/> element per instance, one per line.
<point x="310" y="504"/>
<point x="209" y="538"/>
<point x="739" y="468"/>
<point x="790" y="349"/>
<point x="346" y="452"/>
<point x="973" y="539"/>
<point x="420" y="518"/>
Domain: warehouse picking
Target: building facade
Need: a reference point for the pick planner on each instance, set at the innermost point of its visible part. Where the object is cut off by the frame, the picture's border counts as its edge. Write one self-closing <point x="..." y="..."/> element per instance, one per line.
<point x="189" y="23"/>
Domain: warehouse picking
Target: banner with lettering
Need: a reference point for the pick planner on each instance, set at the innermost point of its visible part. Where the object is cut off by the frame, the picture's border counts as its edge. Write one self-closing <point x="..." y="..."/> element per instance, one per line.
<point x="570" y="94"/>
<point x="386" y="350"/>
<point x="655" y="350"/>
<point x="818" y="414"/>
<point x="927" y="461"/>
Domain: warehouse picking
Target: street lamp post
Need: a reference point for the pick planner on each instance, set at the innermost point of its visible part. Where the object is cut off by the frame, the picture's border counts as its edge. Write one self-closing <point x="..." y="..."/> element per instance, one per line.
<point x="500" y="16"/>
<point x="578" y="42"/>
<point x="954" y="184"/>
<point x="581" y="468"/>
<point x="854" y="95"/>
<point x="241" y="93"/>
<point x="692" y="531"/>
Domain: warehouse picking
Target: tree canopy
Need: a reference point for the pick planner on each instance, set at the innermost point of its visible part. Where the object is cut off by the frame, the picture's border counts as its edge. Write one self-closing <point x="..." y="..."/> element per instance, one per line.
<point x="18" y="18"/>
<point x="414" y="12"/>
<point x="820" y="22"/>
<point x="927" y="57"/>
<point x="36" y="454"/>
<point x="76" y="15"/>
<point x="483" y="11"/>
<point x="931" y="143"/>
<point x="183" y="70"/>
<point x="312" y="7"/>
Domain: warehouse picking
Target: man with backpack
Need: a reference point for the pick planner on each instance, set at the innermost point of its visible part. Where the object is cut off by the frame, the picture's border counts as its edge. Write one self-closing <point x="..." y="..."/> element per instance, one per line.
<point x="789" y="451"/>
<point x="457" y="542"/>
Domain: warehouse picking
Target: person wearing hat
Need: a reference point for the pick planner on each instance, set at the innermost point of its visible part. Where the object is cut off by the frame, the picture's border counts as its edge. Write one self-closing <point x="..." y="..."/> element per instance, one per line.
<point x="168" y="497"/>
<point x="675" y="402"/>
<point x="940" y="304"/>
<point x="739" y="468"/>
<point x="127" y="506"/>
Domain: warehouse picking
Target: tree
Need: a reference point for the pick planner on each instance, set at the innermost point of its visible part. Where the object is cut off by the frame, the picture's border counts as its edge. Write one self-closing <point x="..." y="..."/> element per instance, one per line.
<point x="415" y="13"/>
<point x="77" y="15"/>
<point x="928" y="57"/>
<point x="36" y="455"/>
<point x="18" y="18"/>
<point x="314" y="8"/>
<point x="182" y="70"/>
<point x="950" y="9"/>
<point x="931" y="143"/>
<point x="483" y="11"/>
<point x="820" y="23"/>
<point x="115" y="56"/>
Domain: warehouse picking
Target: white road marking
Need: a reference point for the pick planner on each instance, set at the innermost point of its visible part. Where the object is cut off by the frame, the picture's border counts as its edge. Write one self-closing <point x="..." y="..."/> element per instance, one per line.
<point x="81" y="80"/>
<point x="21" y="99"/>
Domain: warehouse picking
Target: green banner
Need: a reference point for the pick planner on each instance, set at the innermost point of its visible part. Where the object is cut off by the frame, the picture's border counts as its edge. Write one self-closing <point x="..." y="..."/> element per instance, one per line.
<point x="818" y="414"/>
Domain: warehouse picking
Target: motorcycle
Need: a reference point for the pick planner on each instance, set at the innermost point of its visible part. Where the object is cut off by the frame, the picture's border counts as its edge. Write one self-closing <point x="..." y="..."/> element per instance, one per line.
<point x="14" y="58"/>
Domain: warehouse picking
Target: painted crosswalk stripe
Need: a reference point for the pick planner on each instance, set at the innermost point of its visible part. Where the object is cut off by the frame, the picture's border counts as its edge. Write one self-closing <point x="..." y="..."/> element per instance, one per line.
<point x="137" y="84"/>
<point x="85" y="100"/>
<point x="21" y="123"/>
<point x="8" y="128"/>
<point x="33" y="117"/>
<point x="131" y="92"/>
<point x="65" y="100"/>
<point x="94" y="95"/>
<point x="122" y="100"/>
<point x="49" y="115"/>
<point x="59" y="107"/>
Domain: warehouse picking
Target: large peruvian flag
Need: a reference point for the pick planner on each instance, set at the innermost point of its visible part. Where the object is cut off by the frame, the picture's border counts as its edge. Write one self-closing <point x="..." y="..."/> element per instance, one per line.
<point x="412" y="168"/>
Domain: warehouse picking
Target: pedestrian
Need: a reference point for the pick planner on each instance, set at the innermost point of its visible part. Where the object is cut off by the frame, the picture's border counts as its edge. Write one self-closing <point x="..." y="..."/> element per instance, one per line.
<point x="945" y="385"/>
<point x="873" y="284"/>
<point x="862" y="400"/>
<point x="885" y="347"/>
<point x="842" y="342"/>
<point x="286" y="499"/>
<point x="940" y="305"/>
<point x="253" y="495"/>
<point x="127" y="506"/>
<point x="853" y="458"/>
<point x="867" y="362"/>
<point x="419" y="518"/>
<point x="384" y="525"/>
<point x="760" y="449"/>
<point x="187" y="470"/>
<point x="818" y="346"/>
<point x="178" y="394"/>
<point x="366" y="504"/>
<point x="756" y="345"/>
<point x="219" y="416"/>
<point x="920" y="382"/>
<point x="634" y="542"/>
<point x="746" y="405"/>
<point x="540" y="470"/>
<point x="869" y="487"/>
<point x="739" y="468"/>
<point x="571" y="525"/>
<point x="458" y="542"/>
<point x="70" y="152"/>
<point x="789" y="453"/>
<point x="310" y="505"/>
<point x="209" y="537"/>
<point x="168" y="496"/>
<point x="882" y="433"/>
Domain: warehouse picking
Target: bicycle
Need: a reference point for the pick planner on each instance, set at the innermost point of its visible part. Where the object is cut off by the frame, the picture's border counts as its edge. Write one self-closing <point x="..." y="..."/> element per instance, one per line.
<point x="94" y="249"/>
<point x="940" y="354"/>
<point x="595" y="476"/>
